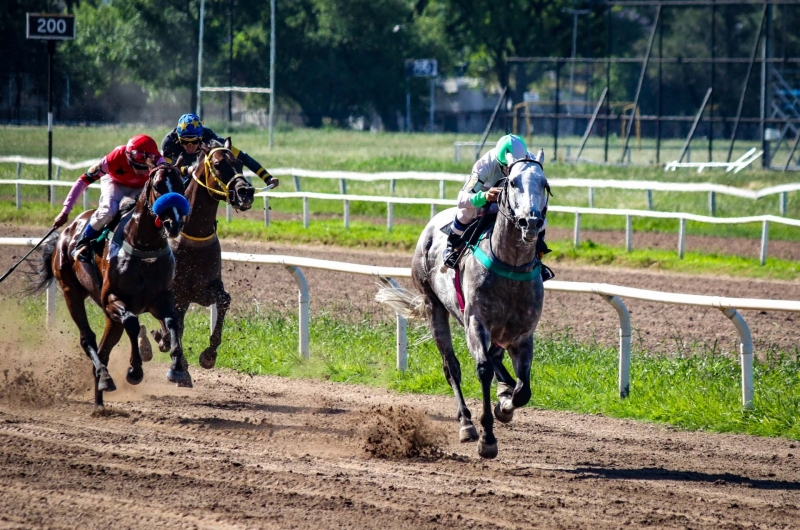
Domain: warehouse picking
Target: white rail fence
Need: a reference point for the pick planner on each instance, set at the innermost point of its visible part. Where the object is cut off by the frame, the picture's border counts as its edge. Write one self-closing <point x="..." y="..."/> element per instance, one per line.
<point x="392" y="176"/>
<point x="346" y="199"/>
<point x="613" y="294"/>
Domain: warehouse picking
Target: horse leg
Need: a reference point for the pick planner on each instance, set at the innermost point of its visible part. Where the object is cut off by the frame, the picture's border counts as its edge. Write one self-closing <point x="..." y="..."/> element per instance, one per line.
<point x="132" y="327"/>
<point x="478" y="343"/>
<point x="76" y="305"/>
<point x="161" y="336"/>
<point x="179" y="369"/>
<point x="521" y="353"/>
<point x="440" y="328"/>
<point x="103" y="381"/>
<point x="223" y="300"/>
<point x="505" y="383"/>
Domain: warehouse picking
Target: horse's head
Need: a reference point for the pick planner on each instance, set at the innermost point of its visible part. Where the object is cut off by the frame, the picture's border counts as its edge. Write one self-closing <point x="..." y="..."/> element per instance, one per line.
<point x="524" y="197"/>
<point x="223" y="176"/>
<point x="165" y="196"/>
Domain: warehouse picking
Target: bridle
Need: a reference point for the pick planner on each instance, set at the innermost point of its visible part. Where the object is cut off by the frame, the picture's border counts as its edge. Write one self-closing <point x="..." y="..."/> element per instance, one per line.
<point x="503" y="205"/>
<point x="150" y="188"/>
<point x="226" y="192"/>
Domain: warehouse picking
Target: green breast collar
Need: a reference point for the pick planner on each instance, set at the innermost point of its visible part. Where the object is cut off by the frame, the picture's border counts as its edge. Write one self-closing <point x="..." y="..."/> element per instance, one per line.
<point x="495" y="266"/>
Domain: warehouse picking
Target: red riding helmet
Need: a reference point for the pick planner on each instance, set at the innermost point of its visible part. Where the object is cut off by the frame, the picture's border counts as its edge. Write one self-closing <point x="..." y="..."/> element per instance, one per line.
<point x="141" y="149"/>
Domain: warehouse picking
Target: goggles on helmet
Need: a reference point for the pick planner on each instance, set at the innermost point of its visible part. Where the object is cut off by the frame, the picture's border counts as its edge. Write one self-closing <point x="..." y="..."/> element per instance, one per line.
<point x="189" y="140"/>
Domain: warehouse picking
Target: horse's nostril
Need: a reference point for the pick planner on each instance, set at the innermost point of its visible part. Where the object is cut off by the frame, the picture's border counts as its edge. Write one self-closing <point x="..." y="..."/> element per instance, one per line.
<point x="523" y="223"/>
<point x="539" y="223"/>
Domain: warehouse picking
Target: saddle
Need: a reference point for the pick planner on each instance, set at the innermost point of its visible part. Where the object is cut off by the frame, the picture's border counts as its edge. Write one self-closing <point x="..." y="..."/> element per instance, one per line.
<point x="98" y="246"/>
<point x="472" y="234"/>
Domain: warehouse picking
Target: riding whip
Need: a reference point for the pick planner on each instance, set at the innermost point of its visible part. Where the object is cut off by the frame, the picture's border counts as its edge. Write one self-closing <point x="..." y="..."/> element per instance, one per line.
<point x="9" y="271"/>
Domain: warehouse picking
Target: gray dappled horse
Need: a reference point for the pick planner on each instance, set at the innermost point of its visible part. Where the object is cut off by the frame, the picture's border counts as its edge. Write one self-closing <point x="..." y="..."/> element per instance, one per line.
<point x="502" y="298"/>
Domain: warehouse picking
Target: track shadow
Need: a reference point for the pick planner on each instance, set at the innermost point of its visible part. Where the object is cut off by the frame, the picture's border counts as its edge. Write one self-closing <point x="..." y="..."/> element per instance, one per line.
<point x="265" y="407"/>
<point x="229" y="425"/>
<point x="655" y="473"/>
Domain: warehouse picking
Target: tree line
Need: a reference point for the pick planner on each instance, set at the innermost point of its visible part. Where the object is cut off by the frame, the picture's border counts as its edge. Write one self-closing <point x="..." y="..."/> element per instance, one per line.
<point x="340" y="58"/>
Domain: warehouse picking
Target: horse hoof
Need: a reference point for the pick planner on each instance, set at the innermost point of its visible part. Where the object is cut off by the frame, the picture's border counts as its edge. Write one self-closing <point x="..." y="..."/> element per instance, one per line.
<point x="134" y="376"/>
<point x="106" y="384"/>
<point x="177" y="376"/>
<point x="188" y="383"/>
<point x="487" y="450"/>
<point x="468" y="433"/>
<point x="208" y="358"/>
<point x="501" y="415"/>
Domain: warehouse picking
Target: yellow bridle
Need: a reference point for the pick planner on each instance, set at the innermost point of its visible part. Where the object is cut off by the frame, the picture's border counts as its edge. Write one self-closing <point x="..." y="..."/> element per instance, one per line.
<point x="209" y="170"/>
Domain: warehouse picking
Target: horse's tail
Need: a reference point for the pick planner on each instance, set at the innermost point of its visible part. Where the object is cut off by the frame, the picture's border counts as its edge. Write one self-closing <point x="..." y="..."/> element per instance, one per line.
<point x="41" y="272"/>
<point x="406" y="303"/>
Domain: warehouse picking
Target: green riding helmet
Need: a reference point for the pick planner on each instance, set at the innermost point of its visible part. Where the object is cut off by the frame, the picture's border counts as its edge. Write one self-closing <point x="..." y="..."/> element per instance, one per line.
<point x="513" y="145"/>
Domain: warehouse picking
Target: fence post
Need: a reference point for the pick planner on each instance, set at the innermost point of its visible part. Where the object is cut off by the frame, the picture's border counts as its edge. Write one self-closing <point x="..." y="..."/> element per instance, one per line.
<point x="402" y="335"/>
<point x="347" y="214"/>
<point x="576" y="236"/>
<point x="229" y="213"/>
<point x="628" y="233"/>
<point x="764" y="240"/>
<point x="52" y="196"/>
<point x="783" y="198"/>
<point x="305" y="212"/>
<point x="343" y="186"/>
<point x="624" y="384"/>
<point x="86" y="199"/>
<point x="649" y="199"/>
<point x="266" y="210"/>
<point x="569" y="153"/>
<point x="745" y="355"/>
<point x="51" y="305"/>
<point x="19" y="196"/>
<point x="712" y="203"/>
<point x="457" y="154"/>
<point x="682" y="238"/>
<point x="591" y="197"/>
<point x="389" y="215"/>
<point x="58" y="172"/>
<point x="303" y="317"/>
<point x="296" y="180"/>
<point x="433" y="210"/>
<point x="19" y="170"/>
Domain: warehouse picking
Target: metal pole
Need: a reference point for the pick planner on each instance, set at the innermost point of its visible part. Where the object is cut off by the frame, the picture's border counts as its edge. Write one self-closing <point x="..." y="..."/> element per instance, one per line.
<point x="576" y="234"/>
<point x="624" y="382"/>
<point x="271" y="73"/>
<point x="641" y="81"/>
<point x="500" y="100"/>
<point x="711" y="102"/>
<point x="408" y="104"/>
<point x="765" y="53"/>
<point x="591" y="124"/>
<point x="266" y="211"/>
<point x="303" y="316"/>
<point x="791" y="153"/>
<point x="682" y="238"/>
<point x="433" y="90"/>
<point x="199" y="110"/>
<point x="660" y="91"/>
<point x="230" y="59"/>
<point x="764" y="241"/>
<point x="628" y="233"/>
<point x="402" y="334"/>
<point x="51" y="50"/>
<point x="555" y="132"/>
<point x="694" y="125"/>
<point x="746" y="82"/>
<point x="745" y="355"/>
<point x="608" y="80"/>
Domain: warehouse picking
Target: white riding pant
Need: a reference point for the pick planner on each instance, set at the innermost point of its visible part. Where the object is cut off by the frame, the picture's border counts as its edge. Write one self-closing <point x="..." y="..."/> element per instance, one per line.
<point x="111" y="194"/>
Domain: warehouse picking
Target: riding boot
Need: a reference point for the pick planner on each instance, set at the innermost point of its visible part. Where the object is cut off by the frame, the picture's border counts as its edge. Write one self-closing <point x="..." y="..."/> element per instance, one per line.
<point x="541" y="250"/>
<point x="83" y="248"/>
<point x="451" y="253"/>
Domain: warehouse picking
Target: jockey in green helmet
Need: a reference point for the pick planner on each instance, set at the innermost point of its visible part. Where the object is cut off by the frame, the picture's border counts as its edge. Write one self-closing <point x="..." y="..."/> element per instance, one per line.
<point x="480" y="190"/>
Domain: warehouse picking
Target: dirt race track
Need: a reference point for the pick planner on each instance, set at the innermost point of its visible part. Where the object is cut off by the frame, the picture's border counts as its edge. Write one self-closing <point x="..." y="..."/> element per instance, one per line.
<point x="267" y="452"/>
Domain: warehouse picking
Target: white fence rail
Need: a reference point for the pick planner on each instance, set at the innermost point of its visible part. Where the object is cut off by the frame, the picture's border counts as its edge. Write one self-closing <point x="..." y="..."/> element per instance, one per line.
<point x="577" y="211"/>
<point x="643" y="185"/>
<point x="613" y="294"/>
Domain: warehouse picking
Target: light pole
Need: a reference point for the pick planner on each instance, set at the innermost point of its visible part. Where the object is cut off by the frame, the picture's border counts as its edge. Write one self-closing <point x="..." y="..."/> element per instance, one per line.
<point x="575" y="14"/>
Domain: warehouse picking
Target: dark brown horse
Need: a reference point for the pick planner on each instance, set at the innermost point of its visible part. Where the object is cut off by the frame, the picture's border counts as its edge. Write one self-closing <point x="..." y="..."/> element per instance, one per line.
<point x="132" y="275"/>
<point x="217" y="177"/>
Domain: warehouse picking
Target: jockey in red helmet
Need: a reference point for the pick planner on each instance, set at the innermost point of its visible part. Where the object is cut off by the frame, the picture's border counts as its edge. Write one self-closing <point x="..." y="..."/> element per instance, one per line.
<point x="122" y="173"/>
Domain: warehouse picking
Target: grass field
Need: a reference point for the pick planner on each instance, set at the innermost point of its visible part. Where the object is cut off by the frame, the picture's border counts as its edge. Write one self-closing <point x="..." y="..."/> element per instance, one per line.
<point x="694" y="392"/>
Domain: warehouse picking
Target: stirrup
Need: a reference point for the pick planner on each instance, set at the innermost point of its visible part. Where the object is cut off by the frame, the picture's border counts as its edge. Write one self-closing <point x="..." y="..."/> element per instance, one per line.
<point x="547" y="273"/>
<point x="453" y="251"/>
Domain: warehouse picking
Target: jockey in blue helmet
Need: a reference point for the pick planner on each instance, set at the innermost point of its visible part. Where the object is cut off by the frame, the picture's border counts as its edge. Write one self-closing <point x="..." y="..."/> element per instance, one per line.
<point x="185" y="140"/>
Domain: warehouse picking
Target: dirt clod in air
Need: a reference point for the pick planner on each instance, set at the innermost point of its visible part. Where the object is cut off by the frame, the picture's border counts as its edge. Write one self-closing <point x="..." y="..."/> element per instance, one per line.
<point x="400" y="431"/>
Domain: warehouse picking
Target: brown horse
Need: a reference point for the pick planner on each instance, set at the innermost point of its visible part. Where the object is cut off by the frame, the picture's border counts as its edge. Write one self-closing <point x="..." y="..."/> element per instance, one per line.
<point x="131" y="276"/>
<point x="217" y="177"/>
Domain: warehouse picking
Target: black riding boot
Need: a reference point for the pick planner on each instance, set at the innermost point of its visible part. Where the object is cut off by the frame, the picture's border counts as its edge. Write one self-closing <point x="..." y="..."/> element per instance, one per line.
<point x="541" y="250"/>
<point x="451" y="254"/>
<point x="83" y="250"/>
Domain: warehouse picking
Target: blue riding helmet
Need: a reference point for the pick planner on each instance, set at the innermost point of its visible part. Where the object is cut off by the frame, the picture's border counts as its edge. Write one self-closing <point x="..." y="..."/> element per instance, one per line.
<point x="189" y="126"/>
